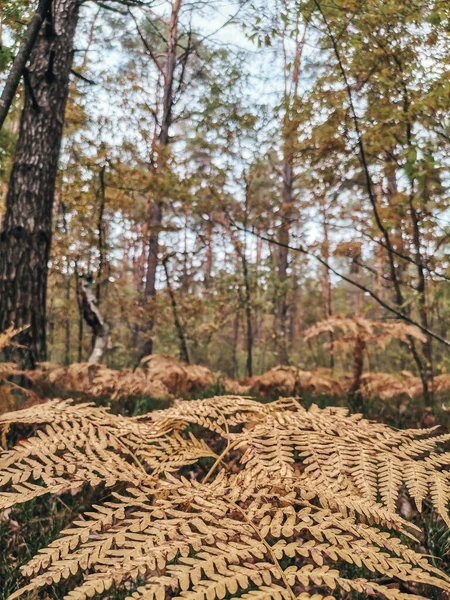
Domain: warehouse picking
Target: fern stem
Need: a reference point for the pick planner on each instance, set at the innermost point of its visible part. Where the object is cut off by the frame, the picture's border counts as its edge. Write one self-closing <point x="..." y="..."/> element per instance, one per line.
<point x="128" y="451"/>
<point x="219" y="459"/>
<point x="267" y="545"/>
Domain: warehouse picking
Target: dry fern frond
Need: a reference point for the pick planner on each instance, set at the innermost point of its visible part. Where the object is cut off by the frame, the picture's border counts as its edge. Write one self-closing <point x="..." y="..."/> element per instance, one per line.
<point x="98" y="381"/>
<point x="178" y="378"/>
<point x="288" y="380"/>
<point x="6" y="337"/>
<point x="161" y="376"/>
<point x="8" y="399"/>
<point x="7" y="369"/>
<point x="441" y="383"/>
<point x="371" y="331"/>
<point x="313" y="490"/>
<point x="236" y="387"/>
<point x="386" y="385"/>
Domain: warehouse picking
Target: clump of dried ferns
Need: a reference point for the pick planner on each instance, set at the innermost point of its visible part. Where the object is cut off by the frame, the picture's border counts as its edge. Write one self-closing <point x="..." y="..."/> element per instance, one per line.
<point x="291" y="502"/>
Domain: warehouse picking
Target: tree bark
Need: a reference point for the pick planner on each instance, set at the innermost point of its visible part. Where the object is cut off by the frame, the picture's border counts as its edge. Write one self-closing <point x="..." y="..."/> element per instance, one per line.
<point x="358" y="363"/>
<point x="88" y="303"/>
<point x="234" y="361"/>
<point x="27" y="227"/>
<point x="155" y="221"/>
<point x="21" y="59"/>
<point x="283" y="259"/>
<point x="67" y="328"/>
<point x="326" y="281"/>
<point x="209" y="254"/>
<point x="101" y="242"/>
<point x="155" y="209"/>
<point x="248" y="315"/>
<point x="184" y="354"/>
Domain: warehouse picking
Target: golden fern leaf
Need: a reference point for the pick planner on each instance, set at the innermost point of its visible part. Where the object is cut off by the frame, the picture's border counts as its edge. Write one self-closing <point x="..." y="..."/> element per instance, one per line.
<point x="313" y="490"/>
<point x="379" y="332"/>
<point x="220" y="546"/>
<point x="85" y="444"/>
<point x="6" y="337"/>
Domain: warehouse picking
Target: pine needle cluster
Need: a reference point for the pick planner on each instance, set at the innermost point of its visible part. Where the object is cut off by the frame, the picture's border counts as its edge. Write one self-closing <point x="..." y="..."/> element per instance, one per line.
<point x="291" y="501"/>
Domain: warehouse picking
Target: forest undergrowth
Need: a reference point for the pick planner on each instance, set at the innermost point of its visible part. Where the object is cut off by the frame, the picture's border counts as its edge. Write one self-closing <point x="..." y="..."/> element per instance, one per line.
<point x="261" y="190"/>
<point x="136" y="497"/>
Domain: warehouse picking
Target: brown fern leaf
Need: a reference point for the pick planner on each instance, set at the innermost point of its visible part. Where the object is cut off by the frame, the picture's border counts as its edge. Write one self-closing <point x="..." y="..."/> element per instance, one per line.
<point x="371" y="331"/>
<point x="289" y="380"/>
<point x="85" y="444"/>
<point x="313" y="490"/>
<point x="98" y="381"/>
<point x="6" y="337"/>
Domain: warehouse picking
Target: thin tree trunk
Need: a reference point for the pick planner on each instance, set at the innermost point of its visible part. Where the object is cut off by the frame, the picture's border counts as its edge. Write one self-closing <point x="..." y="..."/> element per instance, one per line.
<point x="423" y="309"/>
<point x="421" y="284"/>
<point x="373" y="201"/>
<point x="326" y="281"/>
<point x="291" y="86"/>
<point x="184" y="354"/>
<point x="155" y="211"/>
<point x="27" y="227"/>
<point x="247" y="300"/>
<point x="358" y="364"/>
<point x="293" y="313"/>
<point x="209" y="253"/>
<point x="234" y="361"/>
<point x="283" y="259"/>
<point x="67" y="324"/>
<point x="259" y="314"/>
<point x="392" y="190"/>
<point x="155" y="221"/>
<point x="93" y="317"/>
<point x="248" y="315"/>
<point x="21" y="59"/>
<point x="101" y="236"/>
<point x="185" y="279"/>
<point x="80" y="316"/>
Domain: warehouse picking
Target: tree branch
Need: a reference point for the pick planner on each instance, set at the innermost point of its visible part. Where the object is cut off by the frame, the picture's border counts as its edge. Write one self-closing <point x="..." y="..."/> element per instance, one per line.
<point x="21" y="59"/>
<point x="82" y="77"/>
<point x="362" y="287"/>
<point x="362" y="155"/>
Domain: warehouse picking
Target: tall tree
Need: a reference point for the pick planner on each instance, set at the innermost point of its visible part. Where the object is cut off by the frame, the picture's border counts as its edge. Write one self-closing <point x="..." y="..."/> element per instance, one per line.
<point x="167" y="69"/>
<point x="27" y="226"/>
<point x="292" y="33"/>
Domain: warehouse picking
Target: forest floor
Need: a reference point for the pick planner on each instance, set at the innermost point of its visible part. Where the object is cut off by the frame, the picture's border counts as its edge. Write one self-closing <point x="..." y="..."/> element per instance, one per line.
<point x="23" y="530"/>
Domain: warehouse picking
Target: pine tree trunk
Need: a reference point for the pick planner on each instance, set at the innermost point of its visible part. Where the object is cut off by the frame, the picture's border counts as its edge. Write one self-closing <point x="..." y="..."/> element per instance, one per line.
<point x="67" y="328"/>
<point x="184" y="353"/>
<point x="209" y="254"/>
<point x="87" y="302"/>
<point x="283" y="260"/>
<point x="27" y="227"/>
<point x="248" y="315"/>
<point x="326" y="281"/>
<point x="355" y="394"/>
<point x="234" y="360"/>
<point x="101" y="242"/>
<point x="155" y="209"/>
<point x="155" y="221"/>
<point x="423" y="365"/>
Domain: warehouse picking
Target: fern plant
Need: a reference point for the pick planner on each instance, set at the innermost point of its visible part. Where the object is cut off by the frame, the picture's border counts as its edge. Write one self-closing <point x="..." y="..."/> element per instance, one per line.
<point x="291" y="499"/>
